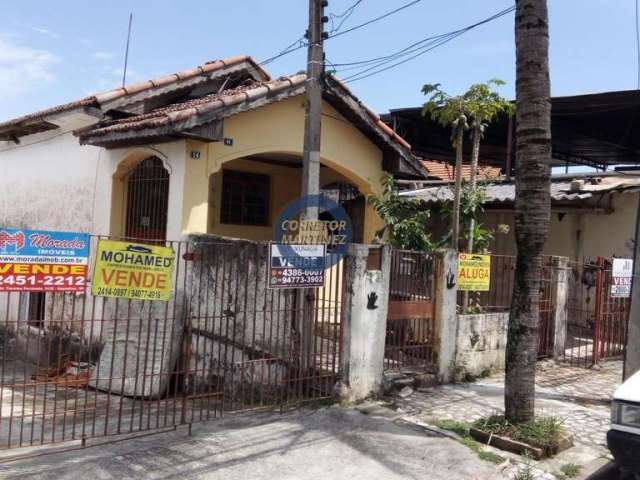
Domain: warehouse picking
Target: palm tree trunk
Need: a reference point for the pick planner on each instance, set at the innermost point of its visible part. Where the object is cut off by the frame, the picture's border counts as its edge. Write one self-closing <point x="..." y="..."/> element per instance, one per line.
<point x="455" y="220"/>
<point x="532" y="204"/>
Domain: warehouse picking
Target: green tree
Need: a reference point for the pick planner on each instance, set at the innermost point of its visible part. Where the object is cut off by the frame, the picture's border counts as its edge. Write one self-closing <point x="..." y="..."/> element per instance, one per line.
<point x="532" y="203"/>
<point x="450" y="111"/>
<point x="405" y="218"/>
<point x="480" y="104"/>
<point x="483" y="105"/>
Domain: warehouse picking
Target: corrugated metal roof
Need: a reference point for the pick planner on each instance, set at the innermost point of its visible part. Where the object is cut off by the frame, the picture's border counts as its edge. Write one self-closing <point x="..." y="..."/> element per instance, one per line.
<point x="497" y="193"/>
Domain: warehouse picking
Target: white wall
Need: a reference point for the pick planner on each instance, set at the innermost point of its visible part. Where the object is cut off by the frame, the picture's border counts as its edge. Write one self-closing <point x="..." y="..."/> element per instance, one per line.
<point x="47" y="182"/>
<point x="578" y="235"/>
<point x="50" y="182"/>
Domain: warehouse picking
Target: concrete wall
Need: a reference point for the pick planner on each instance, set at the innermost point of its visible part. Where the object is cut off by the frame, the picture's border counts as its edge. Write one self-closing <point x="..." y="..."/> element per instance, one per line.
<point x="578" y="235"/>
<point x="480" y="344"/>
<point x="50" y="182"/>
<point x="364" y="324"/>
<point x="47" y="182"/>
<point x="242" y="335"/>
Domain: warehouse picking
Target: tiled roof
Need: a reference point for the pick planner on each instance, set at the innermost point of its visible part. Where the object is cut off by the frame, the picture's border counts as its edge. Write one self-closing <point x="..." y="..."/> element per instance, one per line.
<point x="117" y="93"/>
<point x="376" y="118"/>
<point x="446" y="171"/>
<point x="177" y="112"/>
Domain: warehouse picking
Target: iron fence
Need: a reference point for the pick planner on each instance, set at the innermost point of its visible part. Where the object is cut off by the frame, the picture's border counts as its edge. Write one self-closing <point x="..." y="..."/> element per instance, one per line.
<point x="409" y="342"/>
<point x="75" y="366"/>
<point x="597" y="320"/>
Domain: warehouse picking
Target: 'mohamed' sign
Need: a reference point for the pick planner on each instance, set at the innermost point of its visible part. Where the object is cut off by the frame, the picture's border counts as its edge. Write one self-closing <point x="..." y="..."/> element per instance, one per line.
<point x="132" y="270"/>
<point x="474" y="272"/>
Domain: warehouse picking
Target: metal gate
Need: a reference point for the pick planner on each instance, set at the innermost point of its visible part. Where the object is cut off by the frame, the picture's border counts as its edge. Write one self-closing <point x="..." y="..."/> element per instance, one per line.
<point x="410" y="321"/>
<point x="75" y="367"/>
<point x="547" y="308"/>
<point x="597" y="321"/>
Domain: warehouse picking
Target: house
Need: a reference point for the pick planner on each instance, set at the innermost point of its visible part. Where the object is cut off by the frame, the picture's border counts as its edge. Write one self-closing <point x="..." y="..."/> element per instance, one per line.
<point x="212" y="150"/>
<point x="592" y="214"/>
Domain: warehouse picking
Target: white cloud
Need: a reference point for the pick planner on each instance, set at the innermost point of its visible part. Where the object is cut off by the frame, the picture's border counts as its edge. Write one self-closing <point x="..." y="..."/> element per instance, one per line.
<point x="100" y="55"/>
<point x="40" y="30"/>
<point x="44" y="31"/>
<point x="22" y="67"/>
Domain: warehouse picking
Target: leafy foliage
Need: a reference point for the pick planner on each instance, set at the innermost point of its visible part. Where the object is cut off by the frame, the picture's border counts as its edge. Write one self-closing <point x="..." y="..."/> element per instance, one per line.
<point x="462" y="429"/>
<point x="541" y="432"/>
<point x="405" y="218"/>
<point x="569" y="470"/>
<point x="471" y="207"/>
<point x="480" y="104"/>
<point x="483" y="104"/>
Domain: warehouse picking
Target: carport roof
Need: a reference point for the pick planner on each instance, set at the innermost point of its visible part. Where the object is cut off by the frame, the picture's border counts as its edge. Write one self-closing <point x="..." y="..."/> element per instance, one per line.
<point x="595" y="129"/>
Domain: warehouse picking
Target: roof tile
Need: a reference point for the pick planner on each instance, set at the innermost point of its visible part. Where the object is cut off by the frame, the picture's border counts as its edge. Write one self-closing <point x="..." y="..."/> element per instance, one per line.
<point x="446" y="171"/>
<point x="138" y="87"/>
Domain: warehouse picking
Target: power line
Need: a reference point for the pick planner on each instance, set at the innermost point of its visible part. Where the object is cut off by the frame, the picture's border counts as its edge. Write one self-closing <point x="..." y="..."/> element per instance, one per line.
<point x="344" y="15"/>
<point x="374" y="66"/>
<point x="300" y="43"/>
<point x="421" y="43"/>
<point x="297" y="45"/>
<point x="373" y="20"/>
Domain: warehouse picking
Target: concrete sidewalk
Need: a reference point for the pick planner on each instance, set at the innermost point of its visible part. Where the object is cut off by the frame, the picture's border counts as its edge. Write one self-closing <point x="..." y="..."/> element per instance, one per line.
<point x="329" y="443"/>
<point x="580" y="397"/>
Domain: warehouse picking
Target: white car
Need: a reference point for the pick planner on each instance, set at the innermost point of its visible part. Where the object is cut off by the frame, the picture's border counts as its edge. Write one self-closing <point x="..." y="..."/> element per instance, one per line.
<point x="623" y="439"/>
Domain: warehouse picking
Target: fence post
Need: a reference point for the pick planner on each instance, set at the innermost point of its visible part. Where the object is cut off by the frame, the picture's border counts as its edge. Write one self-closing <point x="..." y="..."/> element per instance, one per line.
<point x="598" y="312"/>
<point x="559" y="297"/>
<point x="366" y="296"/>
<point x="446" y="317"/>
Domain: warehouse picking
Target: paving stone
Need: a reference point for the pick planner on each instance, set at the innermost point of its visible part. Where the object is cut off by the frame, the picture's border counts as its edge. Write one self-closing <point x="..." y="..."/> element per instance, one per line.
<point x="580" y="397"/>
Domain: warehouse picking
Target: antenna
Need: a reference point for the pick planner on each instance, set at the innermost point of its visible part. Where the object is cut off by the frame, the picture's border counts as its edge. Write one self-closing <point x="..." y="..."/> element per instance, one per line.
<point x="126" y="53"/>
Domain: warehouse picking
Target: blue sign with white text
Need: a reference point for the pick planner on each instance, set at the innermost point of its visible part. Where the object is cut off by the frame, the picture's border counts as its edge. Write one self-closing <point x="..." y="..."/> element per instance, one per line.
<point x="42" y="246"/>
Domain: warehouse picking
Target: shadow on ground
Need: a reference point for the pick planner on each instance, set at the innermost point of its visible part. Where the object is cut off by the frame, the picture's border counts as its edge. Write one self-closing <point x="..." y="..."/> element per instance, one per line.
<point x="329" y="443"/>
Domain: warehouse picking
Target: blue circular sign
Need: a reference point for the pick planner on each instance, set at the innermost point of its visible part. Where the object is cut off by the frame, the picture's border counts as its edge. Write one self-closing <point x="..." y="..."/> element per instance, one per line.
<point x="338" y="227"/>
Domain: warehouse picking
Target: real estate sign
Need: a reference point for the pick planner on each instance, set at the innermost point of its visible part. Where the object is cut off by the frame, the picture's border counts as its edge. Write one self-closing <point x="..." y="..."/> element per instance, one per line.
<point x="474" y="272"/>
<point x="132" y="270"/>
<point x="621" y="277"/>
<point x="296" y="266"/>
<point x="43" y="261"/>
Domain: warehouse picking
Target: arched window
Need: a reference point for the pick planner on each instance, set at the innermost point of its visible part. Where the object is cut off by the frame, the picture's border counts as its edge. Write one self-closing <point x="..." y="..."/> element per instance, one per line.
<point x="147" y="200"/>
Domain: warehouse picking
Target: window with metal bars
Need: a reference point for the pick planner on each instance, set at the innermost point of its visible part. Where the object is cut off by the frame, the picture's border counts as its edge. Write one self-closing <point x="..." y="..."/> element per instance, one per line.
<point x="147" y="201"/>
<point x="245" y="198"/>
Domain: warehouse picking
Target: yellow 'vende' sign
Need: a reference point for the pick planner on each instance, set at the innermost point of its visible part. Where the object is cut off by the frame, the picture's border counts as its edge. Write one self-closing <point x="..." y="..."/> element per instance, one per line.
<point x="474" y="272"/>
<point x="132" y="270"/>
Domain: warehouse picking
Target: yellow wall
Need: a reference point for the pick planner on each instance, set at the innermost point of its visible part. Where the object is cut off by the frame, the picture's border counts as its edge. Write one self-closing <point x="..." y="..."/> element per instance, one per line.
<point x="578" y="236"/>
<point x="277" y="129"/>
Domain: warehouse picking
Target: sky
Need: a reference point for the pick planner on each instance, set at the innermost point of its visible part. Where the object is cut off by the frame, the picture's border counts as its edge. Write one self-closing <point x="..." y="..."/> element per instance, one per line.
<point x="54" y="52"/>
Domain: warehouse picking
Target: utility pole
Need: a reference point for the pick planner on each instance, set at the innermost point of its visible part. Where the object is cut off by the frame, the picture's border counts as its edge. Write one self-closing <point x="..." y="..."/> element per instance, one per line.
<point x="305" y="298"/>
<point x="313" y="106"/>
